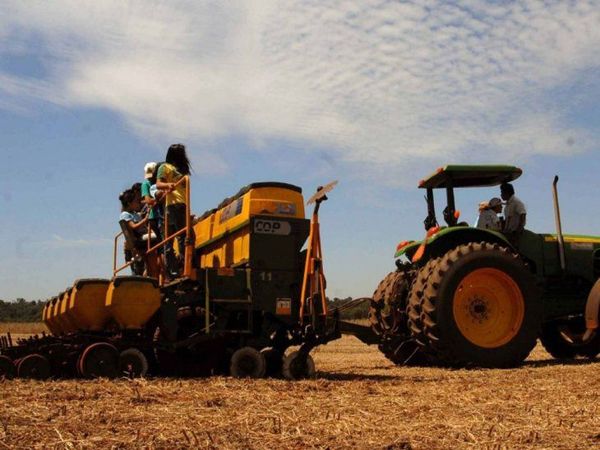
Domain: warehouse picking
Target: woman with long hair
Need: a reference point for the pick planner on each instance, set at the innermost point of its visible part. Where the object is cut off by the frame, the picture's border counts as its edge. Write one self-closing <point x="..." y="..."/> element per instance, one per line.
<point x="176" y="166"/>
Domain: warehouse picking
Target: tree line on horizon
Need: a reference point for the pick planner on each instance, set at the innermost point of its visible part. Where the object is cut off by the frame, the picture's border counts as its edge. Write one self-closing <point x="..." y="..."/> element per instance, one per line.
<point x="22" y="310"/>
<point x="359" y="311"/>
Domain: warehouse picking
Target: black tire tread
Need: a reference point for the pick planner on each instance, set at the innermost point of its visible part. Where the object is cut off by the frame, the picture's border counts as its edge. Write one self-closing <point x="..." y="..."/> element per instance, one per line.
<point x="554" y="343"/>
<point x="435" y="342"/>
<point x="415" y="301"/>
<point x="389" y="292"/>
<point x="393" y="292"/>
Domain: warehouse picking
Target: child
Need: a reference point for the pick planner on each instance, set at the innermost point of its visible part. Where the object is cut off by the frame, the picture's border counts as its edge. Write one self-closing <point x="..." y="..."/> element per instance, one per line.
<point x="136" y="251"/>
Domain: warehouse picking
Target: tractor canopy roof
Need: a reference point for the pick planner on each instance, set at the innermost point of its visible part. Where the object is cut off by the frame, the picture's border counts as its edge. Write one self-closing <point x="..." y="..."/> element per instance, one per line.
<point x="470" y="176"/>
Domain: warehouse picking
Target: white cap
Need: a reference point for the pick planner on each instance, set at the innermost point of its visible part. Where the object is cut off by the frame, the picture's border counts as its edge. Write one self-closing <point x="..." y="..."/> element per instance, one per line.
<point x="149" y="169"/>
<point x="494" y="202"/>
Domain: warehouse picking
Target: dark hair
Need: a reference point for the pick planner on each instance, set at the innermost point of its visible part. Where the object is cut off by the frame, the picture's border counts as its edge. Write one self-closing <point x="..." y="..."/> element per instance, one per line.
<point x="176" y="156"/>
<point x="126" y="197"/>
<point x="137" y="188"/>
<point x="508" y="188"/>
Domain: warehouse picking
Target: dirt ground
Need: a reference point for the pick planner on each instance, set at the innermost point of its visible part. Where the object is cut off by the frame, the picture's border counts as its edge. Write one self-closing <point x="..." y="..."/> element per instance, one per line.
<point x="358" y="400"/>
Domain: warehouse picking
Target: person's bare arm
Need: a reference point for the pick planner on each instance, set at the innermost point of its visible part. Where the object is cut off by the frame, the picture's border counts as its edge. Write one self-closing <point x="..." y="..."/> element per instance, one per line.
<point x="164" y="186"/>
<point x="135" y="226"/>
<point x="149" y="201"/>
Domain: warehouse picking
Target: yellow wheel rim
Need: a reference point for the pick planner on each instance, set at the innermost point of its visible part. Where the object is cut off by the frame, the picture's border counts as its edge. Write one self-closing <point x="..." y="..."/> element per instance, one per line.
<point x="488" y="308"/>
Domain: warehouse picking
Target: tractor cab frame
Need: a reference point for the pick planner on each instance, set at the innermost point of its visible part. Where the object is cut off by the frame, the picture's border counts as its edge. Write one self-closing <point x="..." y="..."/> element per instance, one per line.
<point x="457" y="176"/>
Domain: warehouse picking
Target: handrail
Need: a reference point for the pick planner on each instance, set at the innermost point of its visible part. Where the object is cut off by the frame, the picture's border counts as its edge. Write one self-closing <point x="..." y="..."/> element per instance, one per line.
<point x="164" y="241"/>
<point x="189" y="246"/>
<point x="187" y="230"/>
<point x="115" y="251"/>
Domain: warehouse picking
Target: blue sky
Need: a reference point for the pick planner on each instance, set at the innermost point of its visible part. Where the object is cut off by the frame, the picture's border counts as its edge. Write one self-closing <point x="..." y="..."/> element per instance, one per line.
<point x="374" y="94"/>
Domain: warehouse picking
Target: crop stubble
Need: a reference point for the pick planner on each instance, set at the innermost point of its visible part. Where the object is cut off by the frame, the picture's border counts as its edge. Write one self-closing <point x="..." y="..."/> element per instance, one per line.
<point x="358" y="400"/>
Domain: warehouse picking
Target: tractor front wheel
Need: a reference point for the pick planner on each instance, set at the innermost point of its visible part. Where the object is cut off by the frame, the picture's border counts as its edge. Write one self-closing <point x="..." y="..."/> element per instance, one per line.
<point x="562" y="339"/>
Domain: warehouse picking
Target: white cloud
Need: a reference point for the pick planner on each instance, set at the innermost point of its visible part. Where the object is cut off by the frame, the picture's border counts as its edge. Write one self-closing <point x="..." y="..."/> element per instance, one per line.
<point x="379" y="84"/>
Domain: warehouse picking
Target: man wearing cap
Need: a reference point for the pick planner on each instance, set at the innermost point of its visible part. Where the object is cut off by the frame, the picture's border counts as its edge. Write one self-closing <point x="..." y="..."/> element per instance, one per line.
<point x="515" y="214"/>
<point x="488" y="215"/>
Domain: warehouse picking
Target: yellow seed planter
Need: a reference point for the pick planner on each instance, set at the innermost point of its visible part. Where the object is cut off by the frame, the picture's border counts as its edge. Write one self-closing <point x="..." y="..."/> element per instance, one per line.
<point x="132" y="301"/>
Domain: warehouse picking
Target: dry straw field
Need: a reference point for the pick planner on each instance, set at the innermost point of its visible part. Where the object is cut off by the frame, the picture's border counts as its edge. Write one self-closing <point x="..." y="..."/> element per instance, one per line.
<point x="357" y="401"/>
<point x="23" y="328"/>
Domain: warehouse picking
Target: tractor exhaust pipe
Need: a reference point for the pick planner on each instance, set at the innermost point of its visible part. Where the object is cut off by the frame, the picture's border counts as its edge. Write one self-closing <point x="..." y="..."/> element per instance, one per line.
<point x="592" y="306"/>
<point x="559" y="233"/>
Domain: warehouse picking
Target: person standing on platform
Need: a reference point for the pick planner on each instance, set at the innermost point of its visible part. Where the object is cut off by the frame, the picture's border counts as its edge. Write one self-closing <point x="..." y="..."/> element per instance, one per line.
<point x="176" y="166"/>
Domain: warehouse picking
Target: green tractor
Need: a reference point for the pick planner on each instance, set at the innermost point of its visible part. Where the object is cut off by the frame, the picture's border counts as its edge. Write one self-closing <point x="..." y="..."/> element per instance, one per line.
<point x="466" y="296"/>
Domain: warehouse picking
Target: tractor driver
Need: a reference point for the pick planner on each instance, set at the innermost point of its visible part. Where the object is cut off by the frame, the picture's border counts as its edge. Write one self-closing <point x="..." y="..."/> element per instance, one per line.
<point x="515" y="214"/>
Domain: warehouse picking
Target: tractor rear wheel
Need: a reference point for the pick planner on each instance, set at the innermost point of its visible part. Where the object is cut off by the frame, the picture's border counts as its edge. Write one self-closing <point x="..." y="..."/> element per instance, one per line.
<point x="481" y="307"/>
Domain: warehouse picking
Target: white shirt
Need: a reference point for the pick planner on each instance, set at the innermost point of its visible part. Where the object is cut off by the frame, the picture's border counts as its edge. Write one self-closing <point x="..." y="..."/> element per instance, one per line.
<point x="488" y="220"/>
<point x="513" y="211"/>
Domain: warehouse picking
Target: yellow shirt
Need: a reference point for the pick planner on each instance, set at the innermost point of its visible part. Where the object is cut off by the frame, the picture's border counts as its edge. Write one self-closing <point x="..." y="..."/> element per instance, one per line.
<point x="169" y="174"/>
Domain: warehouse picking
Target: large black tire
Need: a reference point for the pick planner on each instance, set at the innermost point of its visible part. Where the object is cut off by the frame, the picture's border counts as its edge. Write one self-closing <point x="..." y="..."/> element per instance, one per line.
<point x="389" y="300"/>
<point x="414" y="306"/>
<point x="481" y="307"/>
<point x="560" y="339"/>
<point x="388" y="317"/>
<point x="420" y="355"/>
